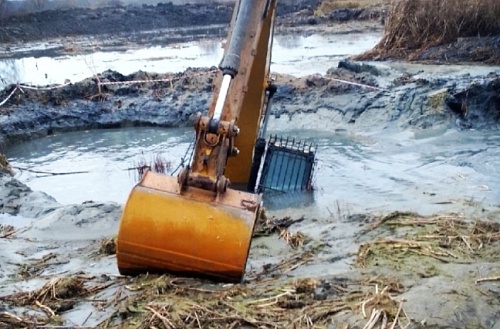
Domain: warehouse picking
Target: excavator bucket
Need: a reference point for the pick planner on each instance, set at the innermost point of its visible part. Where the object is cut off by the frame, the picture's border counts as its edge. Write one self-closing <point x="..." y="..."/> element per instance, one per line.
<point x="193" y="233"/>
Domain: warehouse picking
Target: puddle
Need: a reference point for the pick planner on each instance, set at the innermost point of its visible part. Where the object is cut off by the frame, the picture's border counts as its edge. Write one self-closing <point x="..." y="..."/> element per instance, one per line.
<point x="105" y="157"/>
<point x="295" y="55"/>
<point x="450" y="170"/>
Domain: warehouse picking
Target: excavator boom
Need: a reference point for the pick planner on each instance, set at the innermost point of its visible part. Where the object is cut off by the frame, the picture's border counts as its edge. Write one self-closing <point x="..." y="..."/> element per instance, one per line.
<point x="195" y="224"/>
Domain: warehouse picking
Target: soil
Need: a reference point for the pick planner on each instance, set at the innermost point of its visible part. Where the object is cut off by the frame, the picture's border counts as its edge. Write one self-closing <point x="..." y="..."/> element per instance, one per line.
<point x="57" y="265"/>
<point x="473" y="49"/>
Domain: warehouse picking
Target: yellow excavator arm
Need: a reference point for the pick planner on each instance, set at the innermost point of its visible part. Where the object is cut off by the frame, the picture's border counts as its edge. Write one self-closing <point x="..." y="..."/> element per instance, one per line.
<point x="196" y="224"/>
<point x="226" y="137"/>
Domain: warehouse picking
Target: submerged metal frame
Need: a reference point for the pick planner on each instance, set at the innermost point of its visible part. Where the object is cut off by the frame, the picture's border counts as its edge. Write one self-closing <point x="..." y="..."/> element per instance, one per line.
<point x="288" y="165"/>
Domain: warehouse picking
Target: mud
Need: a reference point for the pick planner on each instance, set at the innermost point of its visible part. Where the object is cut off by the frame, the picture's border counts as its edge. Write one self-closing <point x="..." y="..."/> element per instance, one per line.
<point x="56" y="270"/>
<point x="484" y="50"/>
<point x="280" y="254"/>
<point x="57" y="265"/>
<point x="404" y="101"/>
<point x="472" y="49"/>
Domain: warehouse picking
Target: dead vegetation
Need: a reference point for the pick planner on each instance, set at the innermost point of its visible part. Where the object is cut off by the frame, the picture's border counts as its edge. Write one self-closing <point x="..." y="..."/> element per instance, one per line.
<point x="4" y="165"/>
<point x="167" y="302"/>
<point x="384" y="310"/>
<point x="327" y="6"/>
<point x="158" y="164"/>
<point x="287" y="265"/>
<point x="267" y="301"/>
<point x="57" y="290"/>
<point x="56" y="296"/>
<point x="9" y="320"/>
<point x="415" y="25"/>
<point x="267" y="226"/>
<point x="446" y="239"/>
<point x="108" y="247"/>
<point x="6" y="231"/>
<point x="32" y="268"/>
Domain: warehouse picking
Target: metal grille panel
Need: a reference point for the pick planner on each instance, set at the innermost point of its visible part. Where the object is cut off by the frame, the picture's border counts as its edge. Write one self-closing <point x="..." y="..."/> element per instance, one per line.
<point x="288" y="166"/>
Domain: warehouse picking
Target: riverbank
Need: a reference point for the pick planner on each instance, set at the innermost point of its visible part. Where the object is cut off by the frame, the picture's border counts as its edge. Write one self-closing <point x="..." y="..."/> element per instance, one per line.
<point x="371" y="94"/>
<point x="82" y="31"/>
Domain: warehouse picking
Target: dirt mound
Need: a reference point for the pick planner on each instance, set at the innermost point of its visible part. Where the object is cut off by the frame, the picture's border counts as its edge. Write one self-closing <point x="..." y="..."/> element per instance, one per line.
<point x="108" y="83"/>
<point x="349" y="95"/>
<point x="485" y="50"/>
<point x="477" y="105"/>
<point x="109" y="100"/>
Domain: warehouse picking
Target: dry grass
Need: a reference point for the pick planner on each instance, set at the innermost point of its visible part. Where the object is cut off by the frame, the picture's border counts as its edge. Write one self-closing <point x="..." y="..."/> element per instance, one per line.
<point x="4" y="165"/>
<point x="415" y="25"/>
<point x="6" y="231"/>
<point x="328" y="6"/>
<point x="55" y="297"/>
<point x="385" y="310"/>
<point x="108" y="247"/>
<point x="55" y="291"/>
<point x="446" y="239"/>
<point x="168" y="302"/>
<point x="158" y="164"/>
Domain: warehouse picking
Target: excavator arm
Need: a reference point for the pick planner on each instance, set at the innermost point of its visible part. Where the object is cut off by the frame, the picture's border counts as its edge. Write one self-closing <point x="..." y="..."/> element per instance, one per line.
<point x="196" y="224"/>
<point x="226" y="137"/>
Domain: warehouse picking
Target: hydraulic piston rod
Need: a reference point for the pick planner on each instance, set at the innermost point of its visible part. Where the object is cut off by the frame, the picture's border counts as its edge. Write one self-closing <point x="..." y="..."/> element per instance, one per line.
<point x="224" y="90"/>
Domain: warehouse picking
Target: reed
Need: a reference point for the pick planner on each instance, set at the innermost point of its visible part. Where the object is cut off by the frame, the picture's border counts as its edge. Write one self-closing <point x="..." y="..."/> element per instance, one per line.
<point x="414" y="25"/>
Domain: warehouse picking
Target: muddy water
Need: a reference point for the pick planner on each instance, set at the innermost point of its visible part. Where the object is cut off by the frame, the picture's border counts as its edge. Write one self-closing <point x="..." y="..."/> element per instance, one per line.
<point x="431" y="171"/>
<point x="105" y="157"/>
<point x="423" y="172"/>
<point x="292" y="54"/>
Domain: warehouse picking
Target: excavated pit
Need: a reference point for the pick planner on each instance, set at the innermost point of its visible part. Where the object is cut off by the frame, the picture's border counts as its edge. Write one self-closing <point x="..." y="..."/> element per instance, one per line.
<point x="422" y="139"/>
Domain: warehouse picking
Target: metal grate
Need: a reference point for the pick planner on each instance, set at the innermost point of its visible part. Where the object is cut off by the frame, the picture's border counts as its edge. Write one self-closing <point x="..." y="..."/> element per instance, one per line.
<point x="288" y="165"/>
